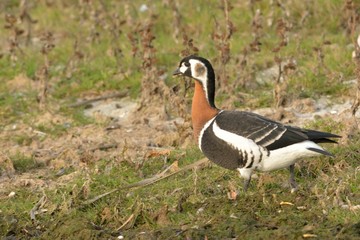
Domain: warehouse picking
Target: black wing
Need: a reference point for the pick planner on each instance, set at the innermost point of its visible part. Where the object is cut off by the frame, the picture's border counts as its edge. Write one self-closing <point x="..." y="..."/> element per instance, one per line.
<point x="266" y="132"/>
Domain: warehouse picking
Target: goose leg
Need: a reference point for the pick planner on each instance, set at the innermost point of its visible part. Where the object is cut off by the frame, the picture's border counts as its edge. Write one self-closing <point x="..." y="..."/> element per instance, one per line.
<point x="293" y="183"/>
<point x="246" y="174"/>
<point x="246" y="184"/>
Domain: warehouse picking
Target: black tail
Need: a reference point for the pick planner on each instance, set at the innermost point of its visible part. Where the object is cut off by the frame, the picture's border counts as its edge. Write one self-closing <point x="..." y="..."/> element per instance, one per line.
<point x="321" y="137"/>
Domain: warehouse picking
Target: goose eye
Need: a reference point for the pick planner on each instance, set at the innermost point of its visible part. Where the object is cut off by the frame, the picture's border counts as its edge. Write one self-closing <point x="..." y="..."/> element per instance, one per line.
<point x="187" y="64"/>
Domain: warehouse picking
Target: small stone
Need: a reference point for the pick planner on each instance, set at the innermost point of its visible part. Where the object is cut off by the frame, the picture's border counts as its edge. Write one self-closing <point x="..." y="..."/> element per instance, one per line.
<point x="143" y="8"/>
<point x="200" y="210"/>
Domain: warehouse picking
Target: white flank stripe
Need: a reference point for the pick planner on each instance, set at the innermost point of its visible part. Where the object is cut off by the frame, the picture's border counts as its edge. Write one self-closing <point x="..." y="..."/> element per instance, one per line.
<point x="238" y="142"/>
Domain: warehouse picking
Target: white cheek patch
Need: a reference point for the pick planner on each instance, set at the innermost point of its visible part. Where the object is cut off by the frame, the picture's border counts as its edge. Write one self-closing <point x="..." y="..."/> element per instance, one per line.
<point x="203" y="77"/>
<point x="199" y="75"/>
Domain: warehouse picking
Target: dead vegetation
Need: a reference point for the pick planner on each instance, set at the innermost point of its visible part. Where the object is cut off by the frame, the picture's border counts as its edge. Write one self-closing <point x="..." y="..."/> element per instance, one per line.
<point x="91" y="118"/>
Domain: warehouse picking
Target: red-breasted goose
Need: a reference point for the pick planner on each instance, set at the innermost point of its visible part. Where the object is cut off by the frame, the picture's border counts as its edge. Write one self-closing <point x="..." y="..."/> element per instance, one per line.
<point x="243" y="140"/>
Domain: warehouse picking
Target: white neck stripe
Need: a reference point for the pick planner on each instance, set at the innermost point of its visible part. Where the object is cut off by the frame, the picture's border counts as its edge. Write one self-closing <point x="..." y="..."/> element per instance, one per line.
<point x="207" y="124"/>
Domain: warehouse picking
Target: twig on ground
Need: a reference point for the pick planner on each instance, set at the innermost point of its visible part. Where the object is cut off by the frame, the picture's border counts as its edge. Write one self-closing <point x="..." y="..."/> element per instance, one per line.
<point x="86" y="102"/>
<point x="104" y="147"/>
<point x="53" y="155"/>
<point x="164" y="174"/>
<point x="126" y="222"/>
<point x="37" y="206"/>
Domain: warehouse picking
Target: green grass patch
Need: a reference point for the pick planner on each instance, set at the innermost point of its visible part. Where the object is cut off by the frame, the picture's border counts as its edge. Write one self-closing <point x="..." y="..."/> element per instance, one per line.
<point x="24" y="163"/>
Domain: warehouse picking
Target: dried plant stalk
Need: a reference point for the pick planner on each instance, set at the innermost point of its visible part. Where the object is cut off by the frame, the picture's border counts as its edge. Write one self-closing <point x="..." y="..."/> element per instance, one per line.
<point x="353" y="19"/>
<point x="11" y="22"/>
<point x="148" y="59"/>
<point x="25" y="17"/>
<point x="222" y="41"/>
<point x="188" y="43"/>
<point x="151" y="87"/>
<point x="282" y="29"/>
<point x="115" y="23"/>
<point x="254" y="46"/>
<point x="256" y="31"/>
<point x="43" y="73"/>
<point x="356" y="103"/>
<point x="74" y="60"/>
<point x="174" y="5"/>
<point x="280" y="85"/>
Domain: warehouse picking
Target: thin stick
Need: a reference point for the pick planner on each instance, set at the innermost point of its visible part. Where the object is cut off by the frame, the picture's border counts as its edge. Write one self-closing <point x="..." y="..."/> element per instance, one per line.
<point x="126" y="222"/>
<point x="36" y="207"/>
<point x="149" y="181"/>
<point x="86" y="102"/>
<point x="104" y="147"/>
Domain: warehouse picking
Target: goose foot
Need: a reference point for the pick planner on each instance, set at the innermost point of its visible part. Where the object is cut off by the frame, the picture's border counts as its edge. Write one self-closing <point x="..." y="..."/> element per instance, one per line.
<point x="293" y="184"/>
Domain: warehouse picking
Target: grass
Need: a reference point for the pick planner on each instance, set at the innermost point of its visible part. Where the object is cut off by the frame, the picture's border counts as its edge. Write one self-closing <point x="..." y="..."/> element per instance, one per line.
<point x="205" y="209"/>
<point x="23" y="163"/>
<point x="193" y="204"/>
